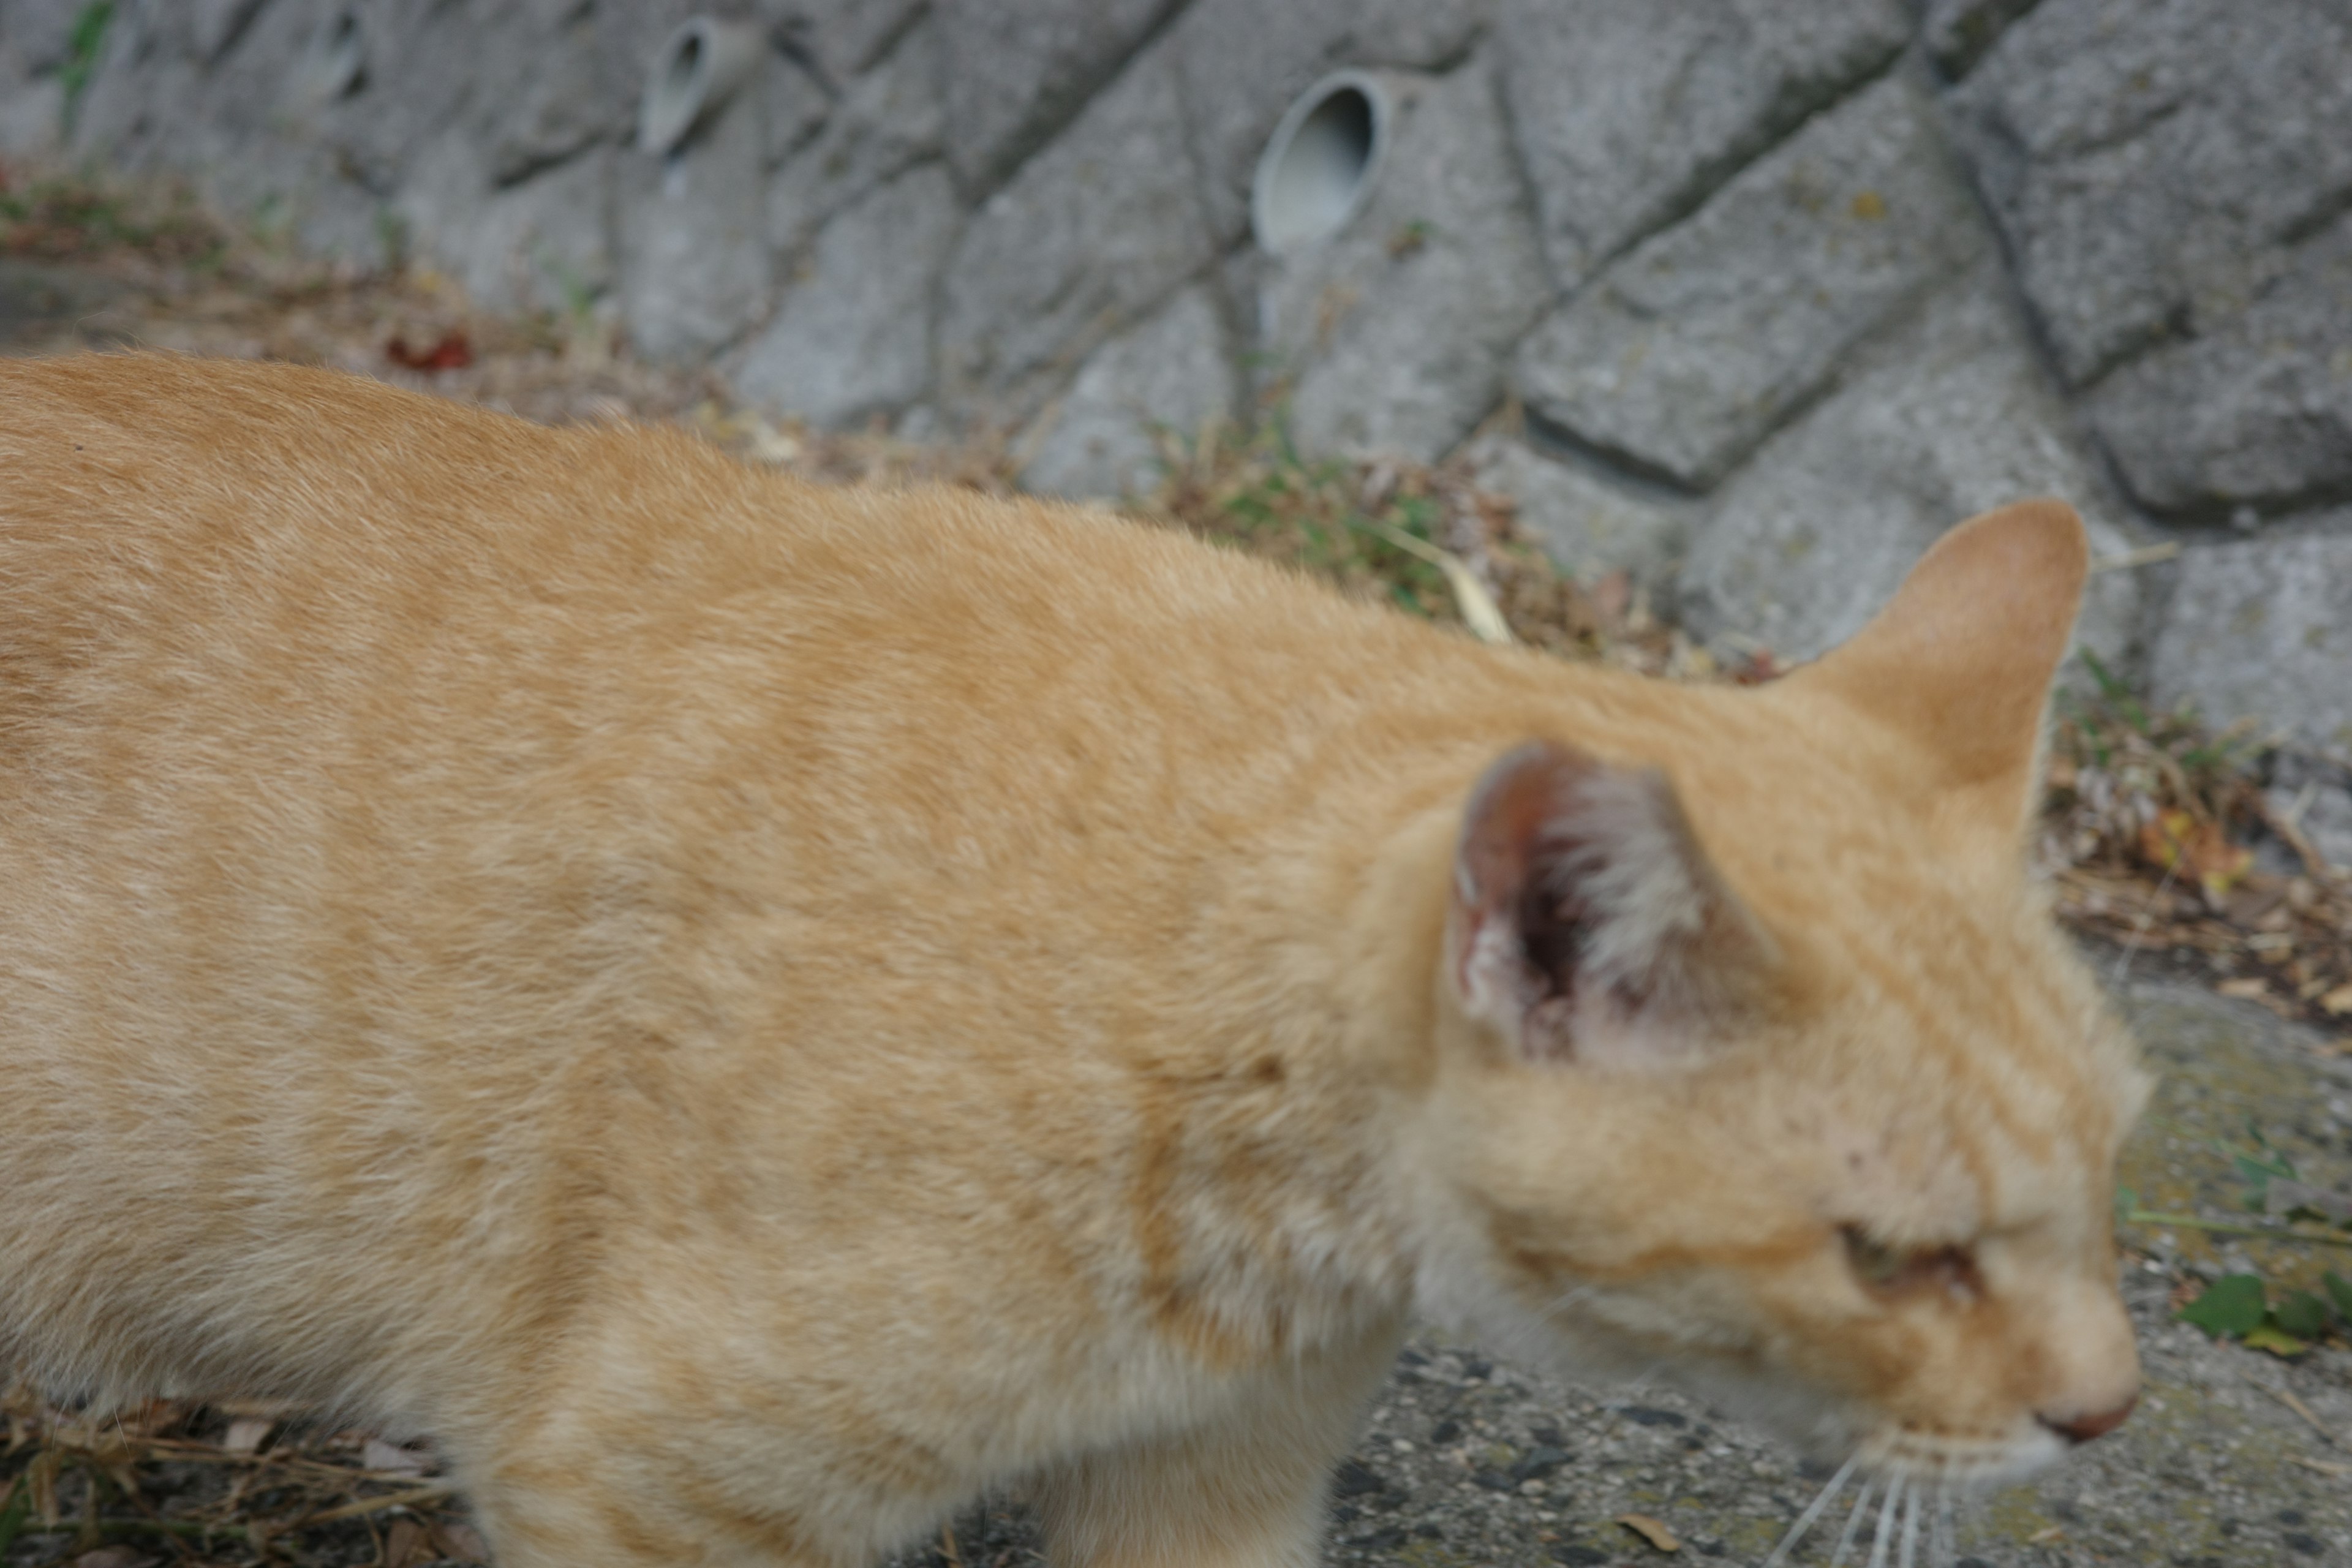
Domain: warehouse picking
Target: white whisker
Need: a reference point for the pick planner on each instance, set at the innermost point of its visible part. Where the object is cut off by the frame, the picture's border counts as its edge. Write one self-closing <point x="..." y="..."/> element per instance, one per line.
<point x="1852" y="1525"/>
<point x="1911" y="1528"/>
<point x="1947" y="1548"/>
<point x="1805" y="1519"/>
<point x="1885" y="1535"/>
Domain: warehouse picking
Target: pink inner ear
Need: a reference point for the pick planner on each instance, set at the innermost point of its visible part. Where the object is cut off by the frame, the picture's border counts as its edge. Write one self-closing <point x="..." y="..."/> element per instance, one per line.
<point x="1583" y="896"/>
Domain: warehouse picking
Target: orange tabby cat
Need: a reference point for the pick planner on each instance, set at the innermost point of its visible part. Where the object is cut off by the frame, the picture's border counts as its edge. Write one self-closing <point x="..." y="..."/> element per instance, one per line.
<point x="755" y="1013"/>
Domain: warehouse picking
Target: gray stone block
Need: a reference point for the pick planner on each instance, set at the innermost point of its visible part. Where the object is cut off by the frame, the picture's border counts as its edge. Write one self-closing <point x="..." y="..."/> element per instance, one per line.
<point x="2262" y="628"/>
<point x="1629" y="112"/>
<point x="1241" y="63"/>
<point x="1958" y="32"/>
<point x="215" y="26"/>
<point x="695" y="268"/>
<point x="852" y="336"/>
<point x="1689" y="350"/>
<point x="32" y="117"/>
<point x="2256" y="412"/>
<point x="886" y="122"/>
<point x="840" y="37"/>
<point x="1091" y="233"/>
<point x="794" y="106"/>
<point x="1589" y="526"/>
<point x="1394" y="333"/>
<point x="1022" y="67"/>
<point x="1951" y="418"/>
<point x="1174" y="370"/>
<point x="544" y="104"/>
<point x="542" y="245"/>
<point x="39" y="32"/>
<point x="2145" y="161"/>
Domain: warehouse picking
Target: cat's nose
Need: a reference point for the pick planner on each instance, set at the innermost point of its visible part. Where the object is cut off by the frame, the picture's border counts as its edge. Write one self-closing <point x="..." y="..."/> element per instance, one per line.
<point x="2082" y="1428"/>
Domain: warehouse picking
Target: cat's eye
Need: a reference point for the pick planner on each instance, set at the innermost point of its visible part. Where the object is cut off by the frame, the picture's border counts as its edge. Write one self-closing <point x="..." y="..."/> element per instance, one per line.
<point x="1886" y="1270"/>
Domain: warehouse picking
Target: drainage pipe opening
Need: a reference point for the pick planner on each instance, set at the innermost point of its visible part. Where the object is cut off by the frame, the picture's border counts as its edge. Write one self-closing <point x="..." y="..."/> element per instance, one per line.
<point x="696" y="68"/>
<point x="1320" y="164"/>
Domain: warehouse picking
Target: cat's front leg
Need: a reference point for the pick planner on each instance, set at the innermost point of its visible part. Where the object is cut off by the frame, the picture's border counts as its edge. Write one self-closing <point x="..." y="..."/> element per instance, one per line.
<point x="1244" y="1491"/>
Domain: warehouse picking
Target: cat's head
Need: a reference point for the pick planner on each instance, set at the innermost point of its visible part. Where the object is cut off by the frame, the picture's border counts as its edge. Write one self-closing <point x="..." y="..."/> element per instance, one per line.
<point x="1762" y="1066"/>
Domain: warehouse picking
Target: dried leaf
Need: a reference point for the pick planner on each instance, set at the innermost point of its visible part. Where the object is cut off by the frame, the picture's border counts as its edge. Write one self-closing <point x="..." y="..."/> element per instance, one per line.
<point x="116" y="1557"/>
<point x="2336" y="1004"/>
<point x="247" y="1434"/>
<point x="2250" y="988"/>
<point x="451" y="351"/>
<point x="407" y="1544"/>
<point x="1651" y="1529"/>
<point x="465" y="1543"/>
<point x="2277" y="1340"/>
<point x="41" y="1485"/>
<point x="379" y="1454"/>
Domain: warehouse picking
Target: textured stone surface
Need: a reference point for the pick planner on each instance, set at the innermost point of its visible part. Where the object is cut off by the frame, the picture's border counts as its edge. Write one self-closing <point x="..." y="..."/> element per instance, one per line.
<point x="2262" y="628"/>
<point x="1395" y="333"/>
<point x="852" y="335"/>
<point x="887" y="122"/>
<point x="38" y="32"/>
<point x="1241" y="63"/>
<point x="840" y="37"/>
<point x="540" y="245"/>
<point x="32" y="117"/>
<point x="545" y="106"/>
<point x="1629" y="111"/>
<point x="1093" y="231"/>
<point x="1174" y="370"/>
<point x="2145" y="161"/>
<point x="1951" y="418"/>
<point x="1687" y="351"/>
<point x="1589" y="526"/>
<point x="1023" y="67"/>
<point x="694" y="267"/>
<point x="1958" y="32"/>
<point x="2257" y="412"/>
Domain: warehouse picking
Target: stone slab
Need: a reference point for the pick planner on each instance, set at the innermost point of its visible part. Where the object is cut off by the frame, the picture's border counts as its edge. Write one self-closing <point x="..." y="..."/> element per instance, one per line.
<point x="2145" y="161"/>
<point x="1952" y="417"/>
<point x="839" y="38"/>
<point x="1024" y="68"/>
<point x="1393" y="335"/>
<point x="1686" y="353"/>
<point x="852" y="335"/>
<point x="32" y="117"/>
<point x="1958" y="32"/>
<point x="542" y="245"/>
<point x="1589" y="526"/>
<point x="546" y="107"/>
<point x="1092" y="232"/>
<point x="39" y="32"/>
<point x="695" y="269"/>
<point x="1242" y="62"/>
<point x="886" y="121"/>
<point x="1629" y="112"/>
<point x="2252" y="414"/>
<point x="1175" y="371"/>
<point x="2262" y="628"/>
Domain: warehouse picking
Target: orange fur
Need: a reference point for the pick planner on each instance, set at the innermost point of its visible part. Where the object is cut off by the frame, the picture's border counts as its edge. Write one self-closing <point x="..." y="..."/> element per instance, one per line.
<point x="756" y="1012"/>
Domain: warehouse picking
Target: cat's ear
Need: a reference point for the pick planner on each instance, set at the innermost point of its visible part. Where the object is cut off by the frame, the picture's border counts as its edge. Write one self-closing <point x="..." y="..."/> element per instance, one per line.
<point x="1961" y="661"/>
<point x="1588" y="922"/>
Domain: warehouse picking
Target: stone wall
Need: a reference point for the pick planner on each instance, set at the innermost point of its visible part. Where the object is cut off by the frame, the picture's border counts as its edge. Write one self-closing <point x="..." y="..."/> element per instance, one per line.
<point x="1765" y="294"/>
